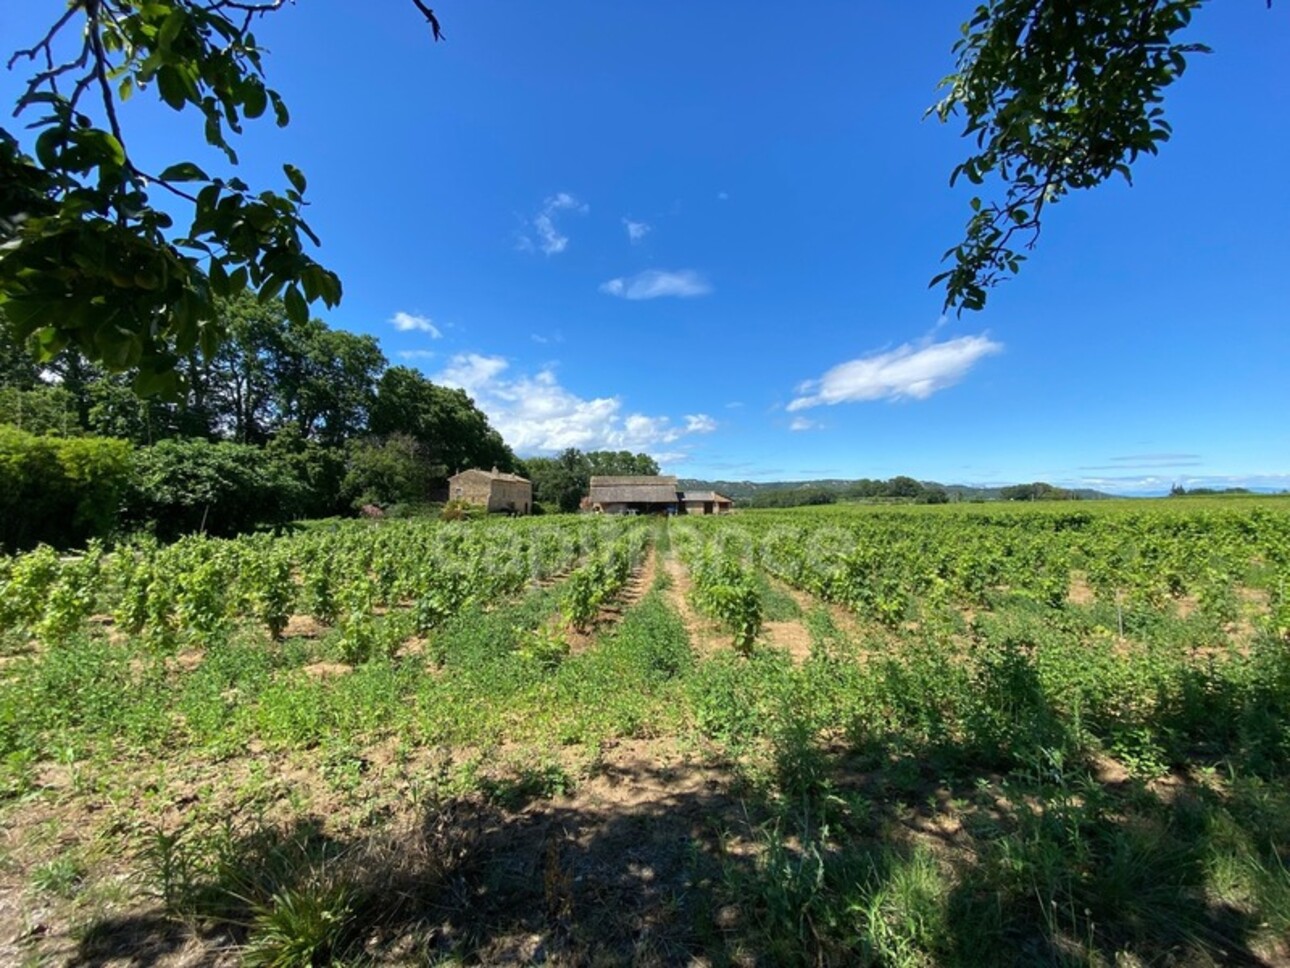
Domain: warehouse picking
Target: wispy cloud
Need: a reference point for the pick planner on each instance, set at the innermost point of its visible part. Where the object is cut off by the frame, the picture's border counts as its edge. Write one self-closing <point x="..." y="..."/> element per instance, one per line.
<point x="1158" y="484"/>
<point x="802" y="423"/>
<point x="912" y="371"/>
<point x="1146" y="462"/>
<point x="412" y="323"/>
<point x="545" y="234"/>
<point x="536" y="415"/>
<point x="653" y="283"/>
<point x="1152" y="458"/>
<point x="416" y="354"/>
<point x="636" y="230"/>
<point x="544" y="339"/>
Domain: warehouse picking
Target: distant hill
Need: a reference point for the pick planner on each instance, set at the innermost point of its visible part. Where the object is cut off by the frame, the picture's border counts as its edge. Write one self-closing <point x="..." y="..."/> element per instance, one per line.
<point x="745" y="490"/>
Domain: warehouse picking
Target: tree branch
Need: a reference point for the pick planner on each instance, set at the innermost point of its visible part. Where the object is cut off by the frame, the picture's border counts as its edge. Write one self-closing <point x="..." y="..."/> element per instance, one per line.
<point x="430" y="19"/>
<point x="45" y="44"/>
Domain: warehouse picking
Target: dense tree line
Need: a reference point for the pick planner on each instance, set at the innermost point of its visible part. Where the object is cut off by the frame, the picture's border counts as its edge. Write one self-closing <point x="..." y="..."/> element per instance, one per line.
<point x="561" y="482"/>
<point x="899" y="488"/>
<point x="286" y="419"/>
<point x="1038" y="491"/>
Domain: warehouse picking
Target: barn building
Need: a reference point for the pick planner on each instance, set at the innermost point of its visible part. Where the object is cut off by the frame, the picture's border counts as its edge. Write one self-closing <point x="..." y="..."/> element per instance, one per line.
<point x="655" y="494"/>
<point x="492" y="490"/>
<point x="634" y="495"/>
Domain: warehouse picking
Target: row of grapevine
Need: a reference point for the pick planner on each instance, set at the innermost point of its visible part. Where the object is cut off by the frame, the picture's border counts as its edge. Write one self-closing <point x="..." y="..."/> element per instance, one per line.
<point x="599" y="580"/>
<point x="886" y="564"/>
<point x="195" y="589"/>
<point x="724" y="587"/>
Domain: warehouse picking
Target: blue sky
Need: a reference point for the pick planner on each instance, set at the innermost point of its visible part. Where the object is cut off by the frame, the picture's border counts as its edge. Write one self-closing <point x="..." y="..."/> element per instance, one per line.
<point x="706" y="231"/>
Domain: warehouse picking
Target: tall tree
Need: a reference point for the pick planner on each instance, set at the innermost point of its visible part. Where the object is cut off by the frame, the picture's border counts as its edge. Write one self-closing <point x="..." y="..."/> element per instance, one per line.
<point x="323" y="379"/>
<point x="454" y="433"/>
<point x="621" y="462"/>
<point x="560" y="481"/>
<point x="244" y="388"/>
<point x="18" y="368"/>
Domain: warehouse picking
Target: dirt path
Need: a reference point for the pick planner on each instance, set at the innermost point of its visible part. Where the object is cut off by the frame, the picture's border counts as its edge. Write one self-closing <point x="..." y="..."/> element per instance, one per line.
<point x="641" y="580"/>
<point x="634" y="589"/>
<point x="791" y="635"/>
<point x="704" y="636"/>
<point x="844" y="620"/>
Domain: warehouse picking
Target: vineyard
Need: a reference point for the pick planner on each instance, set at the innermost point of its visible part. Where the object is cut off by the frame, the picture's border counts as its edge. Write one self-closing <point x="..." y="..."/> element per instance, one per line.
<point x="960" y="735"/>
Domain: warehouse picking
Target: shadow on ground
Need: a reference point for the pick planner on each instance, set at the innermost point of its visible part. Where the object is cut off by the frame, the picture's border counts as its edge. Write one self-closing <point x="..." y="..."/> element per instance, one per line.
<point x="646" y="864"/>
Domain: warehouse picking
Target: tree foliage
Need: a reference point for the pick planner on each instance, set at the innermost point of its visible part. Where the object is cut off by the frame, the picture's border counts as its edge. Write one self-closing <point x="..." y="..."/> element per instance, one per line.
<point x="286" y="420"/>
<point x="220" y="488"/>
<point x="451" y="432"/>
<point x="1038" y="491"/>
<point x="563" y="481"/>
<point x="1057" y="95"/>
<point x="88" y="259"/>
<point x="386" y="471"/>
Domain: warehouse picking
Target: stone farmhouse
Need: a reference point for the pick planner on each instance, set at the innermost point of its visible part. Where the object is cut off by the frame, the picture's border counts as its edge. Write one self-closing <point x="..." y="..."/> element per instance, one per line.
<point x="492" y="490"/>
<point x="650" y="495"/>
<point x="705" y="502"/>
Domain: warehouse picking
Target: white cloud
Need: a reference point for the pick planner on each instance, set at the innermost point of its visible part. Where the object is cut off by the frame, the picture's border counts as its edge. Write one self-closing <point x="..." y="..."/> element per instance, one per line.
<point x="802" y="423"/>
<point x="416" y="354"/>
<point x="536" y="415"/>
<point x="636" y="230"/>
<point x="653" y="283"/>
<point x="699" y="423"/>
<point x="914" y="370"/>
<point x="549" y="237"/>
<point x="412" y="323"/>
<point x="471" y="370"/>
<point x="668" y="459"/>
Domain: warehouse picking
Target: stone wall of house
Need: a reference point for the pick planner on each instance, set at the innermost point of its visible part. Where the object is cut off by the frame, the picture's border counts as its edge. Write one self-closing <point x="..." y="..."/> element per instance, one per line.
<point x="474" y="488"/>
<point x="514" y="496"/>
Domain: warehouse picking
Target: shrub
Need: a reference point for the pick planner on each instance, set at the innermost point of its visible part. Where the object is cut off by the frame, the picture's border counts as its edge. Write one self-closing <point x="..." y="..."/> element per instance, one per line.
<point x="59" y="490"/>
<point x="183" y="486"/>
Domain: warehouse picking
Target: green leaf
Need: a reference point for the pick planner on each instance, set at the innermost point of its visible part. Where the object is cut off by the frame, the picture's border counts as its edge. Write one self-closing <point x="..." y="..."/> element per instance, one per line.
<point x="219" y="279"/>
<point x="171" y="27"/>
<point x="183" y="171"/>
<point x="254" y="100"/>
<point x="295" y="176"/>
<point x="279" y="109"/>
<point x="157" y="382"/>
<point x="297" y="308"/>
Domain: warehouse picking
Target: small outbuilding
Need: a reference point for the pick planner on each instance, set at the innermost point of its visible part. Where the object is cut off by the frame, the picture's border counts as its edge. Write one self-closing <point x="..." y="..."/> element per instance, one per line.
<point x="493" y="490"/>
<point x="654" y="494"/>
<point x="706" y="502"/>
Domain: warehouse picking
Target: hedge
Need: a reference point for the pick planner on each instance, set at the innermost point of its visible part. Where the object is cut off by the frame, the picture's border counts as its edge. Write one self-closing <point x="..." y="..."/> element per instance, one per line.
<point x="60" y="491"/>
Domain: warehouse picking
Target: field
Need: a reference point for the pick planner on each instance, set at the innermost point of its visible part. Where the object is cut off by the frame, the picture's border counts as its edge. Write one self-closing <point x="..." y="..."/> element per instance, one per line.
<point x="960" y="735"/>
